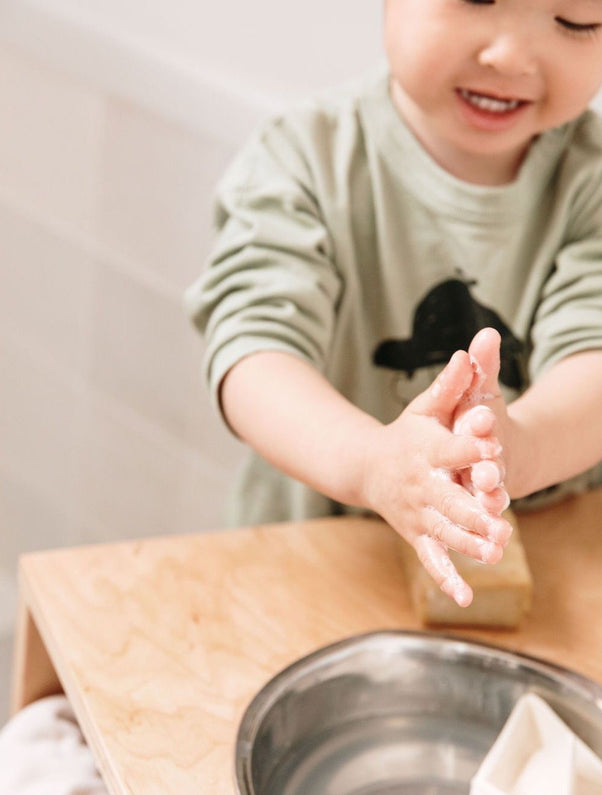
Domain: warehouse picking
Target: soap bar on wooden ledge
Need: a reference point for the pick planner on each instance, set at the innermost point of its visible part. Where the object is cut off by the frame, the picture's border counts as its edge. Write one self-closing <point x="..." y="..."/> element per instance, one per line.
<point x="502" y="592"/>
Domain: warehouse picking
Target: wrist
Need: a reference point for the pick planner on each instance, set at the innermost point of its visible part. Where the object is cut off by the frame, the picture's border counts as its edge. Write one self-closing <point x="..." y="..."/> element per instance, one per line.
<point x="368" y="445"/>
<point x="358" y="471"/>
<point x="523" y="468"/>
<point x="340" y="461"/>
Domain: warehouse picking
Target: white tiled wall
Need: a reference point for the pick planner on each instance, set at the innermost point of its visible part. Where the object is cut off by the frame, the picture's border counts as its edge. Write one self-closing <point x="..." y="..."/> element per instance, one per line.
<point x="51" y="136"/>
<point x="155" y="188"/>
<point x="116" y="119"/>
<point x="105" y="427"/>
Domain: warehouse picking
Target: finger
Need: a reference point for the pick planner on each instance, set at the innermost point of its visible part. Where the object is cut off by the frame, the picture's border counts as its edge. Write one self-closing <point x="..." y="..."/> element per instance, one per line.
<point x="445" y="394"/>
<point x="485" y="352"/>
<point x="486" y="475"/>
<point x="458" y="506"/>
<point x="453" y="451"/>
<point x="477" y="421"/>
<point x="465" y="480"/>
<point x="437" y="562"/>
<point x="494" y="502"/>
<point x="458" y="538"/>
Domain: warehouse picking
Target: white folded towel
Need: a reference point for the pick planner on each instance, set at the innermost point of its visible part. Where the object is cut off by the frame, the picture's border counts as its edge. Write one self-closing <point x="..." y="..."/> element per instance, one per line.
<point x="43" y="752"/>
<point x="536" y="753"/>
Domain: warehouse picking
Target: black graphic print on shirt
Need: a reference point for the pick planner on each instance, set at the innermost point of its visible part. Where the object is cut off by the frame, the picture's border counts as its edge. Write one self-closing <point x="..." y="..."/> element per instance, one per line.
<point x="445" y="321"/>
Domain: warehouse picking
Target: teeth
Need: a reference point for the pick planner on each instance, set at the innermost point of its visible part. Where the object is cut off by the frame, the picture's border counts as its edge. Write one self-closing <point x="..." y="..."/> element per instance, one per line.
<point x="489" y="103"/>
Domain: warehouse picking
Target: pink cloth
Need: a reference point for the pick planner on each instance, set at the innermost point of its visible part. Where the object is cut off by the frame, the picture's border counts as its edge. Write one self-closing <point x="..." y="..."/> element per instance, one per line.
<point x="43" y="752"/>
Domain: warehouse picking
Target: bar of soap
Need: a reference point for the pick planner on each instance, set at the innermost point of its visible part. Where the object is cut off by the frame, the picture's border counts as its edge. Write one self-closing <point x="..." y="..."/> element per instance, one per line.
<point x="502" y="592"/>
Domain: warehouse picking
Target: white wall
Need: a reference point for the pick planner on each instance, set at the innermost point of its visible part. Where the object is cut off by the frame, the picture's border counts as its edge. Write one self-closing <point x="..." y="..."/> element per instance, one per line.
<point x="270" y="46"/>
<point x="116" y="119"/>
<point x="212" y="65"/>
<point x="105" y="431"/>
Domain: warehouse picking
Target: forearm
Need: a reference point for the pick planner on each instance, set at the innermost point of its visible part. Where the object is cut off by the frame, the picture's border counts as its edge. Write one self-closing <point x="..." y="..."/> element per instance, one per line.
<point x="404" y="471"/>
<point x="287" y="411"/>
<point x="556" y="426"/>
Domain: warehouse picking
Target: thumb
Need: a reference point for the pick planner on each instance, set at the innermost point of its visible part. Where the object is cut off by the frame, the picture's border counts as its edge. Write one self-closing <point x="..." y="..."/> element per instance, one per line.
<point x="484" y="350"/>
<point x="448" y="390"/>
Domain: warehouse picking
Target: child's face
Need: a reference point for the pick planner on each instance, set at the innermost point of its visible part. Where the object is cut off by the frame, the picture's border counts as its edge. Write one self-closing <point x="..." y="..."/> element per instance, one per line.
<point x="477" y="81"/>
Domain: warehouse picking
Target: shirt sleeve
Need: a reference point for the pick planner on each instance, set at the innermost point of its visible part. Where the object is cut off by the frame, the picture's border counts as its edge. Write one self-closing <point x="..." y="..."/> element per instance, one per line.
<point x="569" y="315"/>
<point x="271" y="282"/>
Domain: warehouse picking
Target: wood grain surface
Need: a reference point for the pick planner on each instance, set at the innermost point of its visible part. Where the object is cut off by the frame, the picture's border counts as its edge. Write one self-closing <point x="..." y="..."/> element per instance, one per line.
<point x="160" y="644"/>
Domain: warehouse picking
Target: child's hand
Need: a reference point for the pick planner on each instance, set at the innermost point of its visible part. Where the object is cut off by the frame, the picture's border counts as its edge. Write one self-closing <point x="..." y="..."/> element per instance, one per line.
<point x="482" y="413"/>
<point x="412" y="479"/>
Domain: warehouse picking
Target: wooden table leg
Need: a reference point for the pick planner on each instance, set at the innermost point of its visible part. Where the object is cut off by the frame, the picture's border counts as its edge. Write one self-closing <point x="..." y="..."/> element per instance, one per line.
<point x="33" y="675"/>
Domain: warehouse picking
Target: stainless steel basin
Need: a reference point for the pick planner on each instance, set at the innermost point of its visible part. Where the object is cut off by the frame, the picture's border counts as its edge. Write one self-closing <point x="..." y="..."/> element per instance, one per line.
<point x="396" y="713"/>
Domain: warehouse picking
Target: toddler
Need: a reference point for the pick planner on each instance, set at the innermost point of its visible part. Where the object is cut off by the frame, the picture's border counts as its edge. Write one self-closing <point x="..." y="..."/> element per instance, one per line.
<point x="446" y="213"/>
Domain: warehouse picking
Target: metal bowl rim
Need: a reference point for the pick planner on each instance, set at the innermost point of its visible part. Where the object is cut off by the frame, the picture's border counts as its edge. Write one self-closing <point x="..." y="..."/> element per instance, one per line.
<point x="271" y="691"/>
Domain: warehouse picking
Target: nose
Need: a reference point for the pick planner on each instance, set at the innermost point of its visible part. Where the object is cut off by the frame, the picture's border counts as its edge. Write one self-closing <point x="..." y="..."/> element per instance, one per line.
<point x="509" y="54"/>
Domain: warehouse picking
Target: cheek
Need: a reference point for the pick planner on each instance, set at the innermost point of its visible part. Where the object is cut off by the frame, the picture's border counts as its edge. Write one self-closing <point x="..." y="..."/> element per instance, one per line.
<point x="414" y="39"/>
<point x="571" y="90"/>
<point x="395" y="40"/>
<point x="412" y="62"/>
<point x="573" y="96"/>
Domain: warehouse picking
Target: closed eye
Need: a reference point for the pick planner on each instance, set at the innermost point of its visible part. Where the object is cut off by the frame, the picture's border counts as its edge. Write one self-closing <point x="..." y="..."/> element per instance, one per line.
<point x="576" y="27"/>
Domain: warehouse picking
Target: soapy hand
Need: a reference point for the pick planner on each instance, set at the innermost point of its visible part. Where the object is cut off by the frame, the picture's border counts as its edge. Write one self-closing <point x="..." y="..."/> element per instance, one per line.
<point x="416" y="466"/>
<point x="482" y="412"/>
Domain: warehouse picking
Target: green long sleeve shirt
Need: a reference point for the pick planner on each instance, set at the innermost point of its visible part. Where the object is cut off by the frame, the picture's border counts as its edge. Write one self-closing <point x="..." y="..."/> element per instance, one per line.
<point x="338" y="239"/>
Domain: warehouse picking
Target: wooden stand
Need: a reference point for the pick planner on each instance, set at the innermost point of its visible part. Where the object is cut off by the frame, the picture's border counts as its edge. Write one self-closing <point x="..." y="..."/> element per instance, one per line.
<point x="161" y="644"/>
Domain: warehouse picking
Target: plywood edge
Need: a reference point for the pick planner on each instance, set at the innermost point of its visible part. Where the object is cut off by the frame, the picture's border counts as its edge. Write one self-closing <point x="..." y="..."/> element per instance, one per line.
<point x="41" y="671"/>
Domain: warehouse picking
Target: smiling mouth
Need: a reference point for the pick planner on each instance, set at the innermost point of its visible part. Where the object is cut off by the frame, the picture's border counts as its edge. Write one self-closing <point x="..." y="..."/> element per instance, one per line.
<point x="489" y="103"/>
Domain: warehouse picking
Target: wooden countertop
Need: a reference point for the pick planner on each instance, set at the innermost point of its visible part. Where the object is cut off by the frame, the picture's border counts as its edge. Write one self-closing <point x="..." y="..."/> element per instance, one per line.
<point x="160" y="644"/>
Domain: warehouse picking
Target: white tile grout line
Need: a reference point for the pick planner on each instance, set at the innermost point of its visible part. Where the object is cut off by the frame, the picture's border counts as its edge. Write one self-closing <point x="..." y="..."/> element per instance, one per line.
<point x="8" y="602"/>
<point x="21" y="477"/>
<point x="116" y="410"/>
<point x="96" y="251"/>
<point x="127" y="66"/>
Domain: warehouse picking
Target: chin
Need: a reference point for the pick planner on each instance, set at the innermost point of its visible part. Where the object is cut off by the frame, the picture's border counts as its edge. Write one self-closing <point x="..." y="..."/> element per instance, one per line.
<point x="493" y="146"/>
